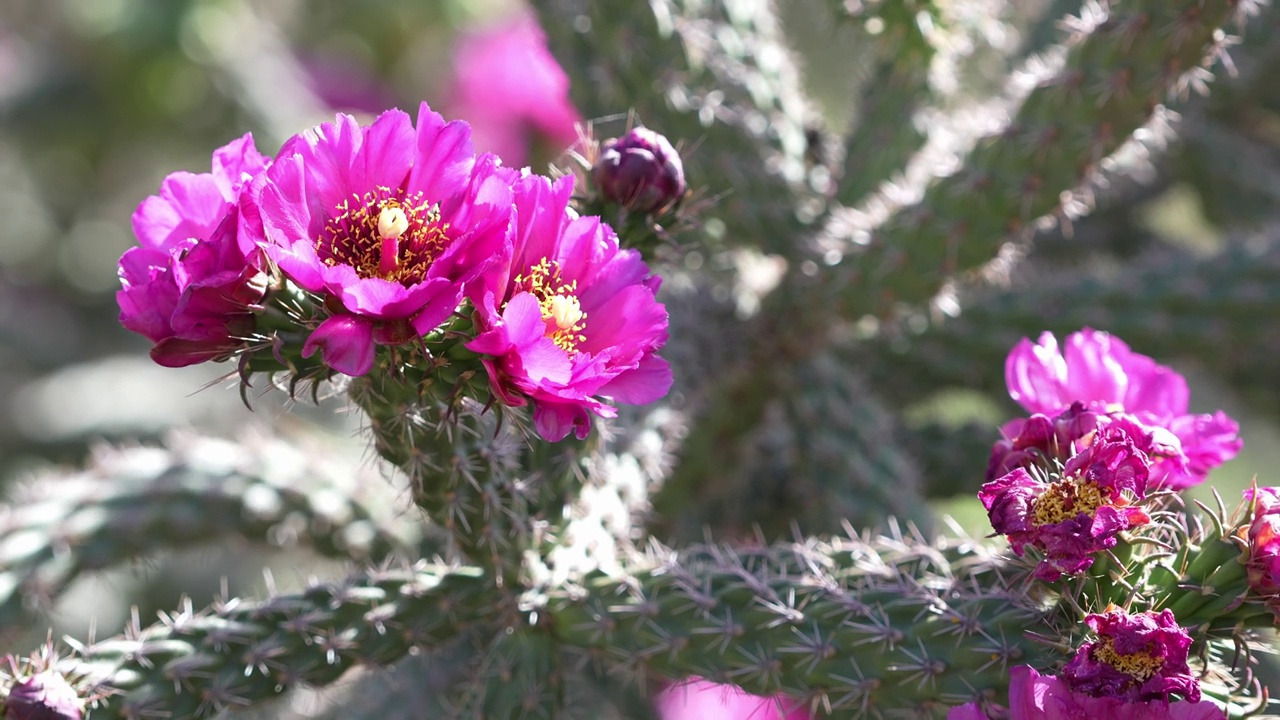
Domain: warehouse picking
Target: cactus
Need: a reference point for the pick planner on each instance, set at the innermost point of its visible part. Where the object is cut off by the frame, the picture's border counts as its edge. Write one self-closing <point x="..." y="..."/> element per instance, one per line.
<point x="815" y="303"/>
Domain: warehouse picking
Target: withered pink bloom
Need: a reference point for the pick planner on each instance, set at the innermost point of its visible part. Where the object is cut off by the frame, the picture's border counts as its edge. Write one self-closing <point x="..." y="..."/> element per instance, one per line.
<point x="1073" y="518"/>
<point x="1040" y="440"/>
<point x="1033" y="696"/>
<point x="571" y="319"/>
<point x="387" y="223"/>
<point x="1137" y="657"/>
<point x="698" y="699"/>
<point x="512" y="91"/>
<point x="1101" y="372"/>
<point x="1264" y="546"/>
<point x="192" y="284"/>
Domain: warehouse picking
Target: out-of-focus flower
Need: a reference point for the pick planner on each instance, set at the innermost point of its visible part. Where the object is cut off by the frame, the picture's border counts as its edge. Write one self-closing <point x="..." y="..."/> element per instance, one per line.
<point x="388" y="223"/>
<point x="1264" y="546"/>
<point x="1101" y="371"/>
<point x="698" y="699"/>
<point x="640" y="171"/>
<point x="571" y="318"/>
<point x="44" y="696"/>
<point x="1077" y="516"/>
<point x="192" y="284"/>
<point x="512" y="91"/>
<point x="1137" y="657"/>
<point x="1033" y="696"/>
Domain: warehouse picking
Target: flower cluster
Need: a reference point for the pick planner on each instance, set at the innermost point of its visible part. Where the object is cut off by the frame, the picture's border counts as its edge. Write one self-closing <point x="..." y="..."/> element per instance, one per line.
<point x="1132" y="671"/>
<point x="1107" y="378"/>
<point x="1263" y="562"/>
<point x="391" y="229"/>
<point x="1072" y="518"/>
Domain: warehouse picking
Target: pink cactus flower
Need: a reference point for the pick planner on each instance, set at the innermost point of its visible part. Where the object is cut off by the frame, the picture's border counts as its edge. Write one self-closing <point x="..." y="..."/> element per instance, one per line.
<point x="698" y="699"/>
<point x="571" y="318"/>
<point x="1264" y="546"/>
<point x="387" y="223"/>
<point x="1101" y="372"/>
<point x="192" y="284"/>
<point x="512" y="91"/>
<point x="1137" y="657"/>
<point x="1033" y="696"/>
<point x="1073" y="518"/>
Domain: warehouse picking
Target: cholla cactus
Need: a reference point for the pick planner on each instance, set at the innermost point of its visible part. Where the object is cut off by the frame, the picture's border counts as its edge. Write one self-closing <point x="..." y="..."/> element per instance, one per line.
<point x="560" y="395"/>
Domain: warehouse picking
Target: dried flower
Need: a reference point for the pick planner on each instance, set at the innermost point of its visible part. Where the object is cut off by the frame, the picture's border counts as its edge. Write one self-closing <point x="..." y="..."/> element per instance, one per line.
<point x="1101" y="372"/>
<point x="1033" y="696"/>
<point x="1137" y="657"/>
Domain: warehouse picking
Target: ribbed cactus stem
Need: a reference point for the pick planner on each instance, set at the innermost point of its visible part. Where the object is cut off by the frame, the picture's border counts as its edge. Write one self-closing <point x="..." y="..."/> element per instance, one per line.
<point x="1120" y="65"/>
<point x="240" y="653"/>
<point x="850" y="627"/>
<point x="131" y="502"/>
<point x="520" y="678"/>
<point x="478" y="471"/>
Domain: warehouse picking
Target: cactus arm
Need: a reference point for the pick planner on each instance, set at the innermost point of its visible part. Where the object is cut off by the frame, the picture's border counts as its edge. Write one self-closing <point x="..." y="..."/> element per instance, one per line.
<point x="135" y="501"/>
<point x="1115" y="75"/>
<point x="241" y="653"/>
<point x="849" y="628"/>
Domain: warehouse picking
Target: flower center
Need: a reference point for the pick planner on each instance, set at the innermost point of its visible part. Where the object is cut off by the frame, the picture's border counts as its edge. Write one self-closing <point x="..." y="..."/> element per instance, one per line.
<point x="1140" y="666"/>
<point x="383" y="234"/>
<point x="561" y="310"/>
<point x="1065" y="499"/>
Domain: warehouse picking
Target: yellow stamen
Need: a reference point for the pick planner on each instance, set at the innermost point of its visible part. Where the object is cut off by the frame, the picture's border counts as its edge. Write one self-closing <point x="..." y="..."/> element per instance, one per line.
<point x="1140" y="665"/>
<point x="1065" y="499"/>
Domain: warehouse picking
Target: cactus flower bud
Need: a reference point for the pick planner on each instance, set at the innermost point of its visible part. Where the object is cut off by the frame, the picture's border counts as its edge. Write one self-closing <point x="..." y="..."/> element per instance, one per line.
<point x="640" y="171"/>
<point x="46" y="696"/>
<point x="1264" y="545"/>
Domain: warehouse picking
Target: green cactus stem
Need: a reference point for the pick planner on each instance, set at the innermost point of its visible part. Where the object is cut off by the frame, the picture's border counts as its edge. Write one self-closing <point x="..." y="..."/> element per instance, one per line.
<point x="240" y="653"/>
<point x="131" y="502"/>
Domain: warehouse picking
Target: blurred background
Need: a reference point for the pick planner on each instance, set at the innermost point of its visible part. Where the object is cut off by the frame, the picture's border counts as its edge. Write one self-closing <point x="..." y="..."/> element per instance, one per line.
<point x="100" y="99"/>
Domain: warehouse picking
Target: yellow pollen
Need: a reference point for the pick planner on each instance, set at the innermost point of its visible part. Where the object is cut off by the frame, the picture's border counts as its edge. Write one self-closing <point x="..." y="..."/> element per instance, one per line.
<point x="1140" y="665"/>
<point x="563" y="313"/>
<point x="392" y="222"/>
<point x="1065" y="499"/>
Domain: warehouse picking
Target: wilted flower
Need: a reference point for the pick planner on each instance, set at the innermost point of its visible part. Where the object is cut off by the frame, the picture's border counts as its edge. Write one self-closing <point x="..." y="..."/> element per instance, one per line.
<point x="192" y="284"/>
<point x="387" y="223"/>
<point x="44" y="696"/>
<point x="1101" y="371"/>
<point x="698" y="699"/>
<point x="640" y="171"/>
<point x="1136" y="658"/>
<point x="1264" y="545"/>
<point x="512" y="91"/>
<point x="571" y="317"/>
<point x="1033" y="696"/>
<point x="1040" y="440"/>
<point x="1072" y="518"/>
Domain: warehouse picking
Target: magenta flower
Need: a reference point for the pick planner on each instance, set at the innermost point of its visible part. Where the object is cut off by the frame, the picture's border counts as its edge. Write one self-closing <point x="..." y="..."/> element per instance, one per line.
<point x="1136" y="658"/>
<point x="387" y="223"/>
<point x="570" y="318"/>
<point x="1033" y="696"/>
<point x="45" y="696"/>
<point x="1040" y="441"/>
<point x="1103" y="373"/>
<point x="512" y="91"/>
<point x="698" y="699"/>
<point x="1072" y="518"/>
<point x="194" y="281"/>
<point x="1264" y="546"/>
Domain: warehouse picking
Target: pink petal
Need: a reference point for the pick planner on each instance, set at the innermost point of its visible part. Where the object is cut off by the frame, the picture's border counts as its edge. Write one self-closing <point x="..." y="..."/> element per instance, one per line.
<point x="346" y="344"/>
<point x="1035" y="373"/>
<point x="445" y="156"/>
<point x="647" y="383"/>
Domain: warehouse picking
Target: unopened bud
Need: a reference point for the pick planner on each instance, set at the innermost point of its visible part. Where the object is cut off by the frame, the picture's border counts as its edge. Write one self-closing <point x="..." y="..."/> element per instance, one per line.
<point x="640" y="171"/>
<point x="46" y="696"/>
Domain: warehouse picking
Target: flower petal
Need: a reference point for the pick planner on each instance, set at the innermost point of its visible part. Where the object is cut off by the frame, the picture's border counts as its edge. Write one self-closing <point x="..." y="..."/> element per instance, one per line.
<point x="346" y="344"/>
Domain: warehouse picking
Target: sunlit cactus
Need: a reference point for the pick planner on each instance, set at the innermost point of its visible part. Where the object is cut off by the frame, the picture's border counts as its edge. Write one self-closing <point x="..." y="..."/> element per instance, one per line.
<point x="660" y="429"/>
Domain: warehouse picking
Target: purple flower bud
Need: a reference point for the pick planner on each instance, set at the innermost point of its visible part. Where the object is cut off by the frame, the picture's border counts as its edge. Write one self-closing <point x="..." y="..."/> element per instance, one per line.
<point x="46" y="696"/>
<point x="640" y="171"/>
